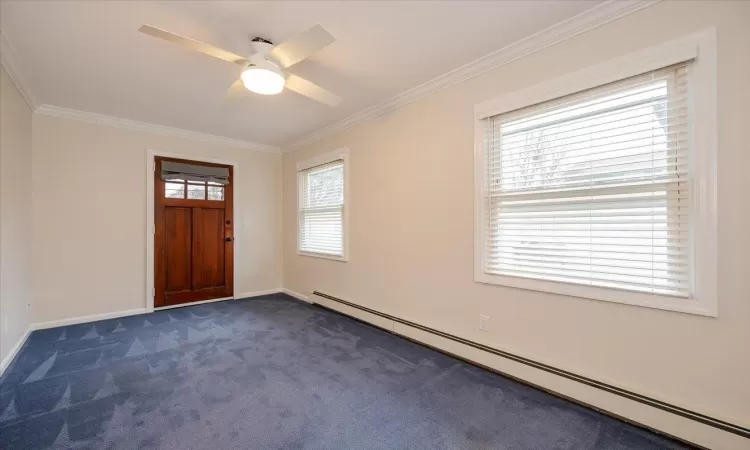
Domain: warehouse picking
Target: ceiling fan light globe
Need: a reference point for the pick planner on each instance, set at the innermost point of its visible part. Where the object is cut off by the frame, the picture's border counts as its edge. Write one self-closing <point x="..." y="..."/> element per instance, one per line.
<point x="261" y="80"/>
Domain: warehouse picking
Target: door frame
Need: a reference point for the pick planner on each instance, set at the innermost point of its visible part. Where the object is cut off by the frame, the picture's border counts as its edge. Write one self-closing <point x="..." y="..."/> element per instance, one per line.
<point x="150" y="225"/>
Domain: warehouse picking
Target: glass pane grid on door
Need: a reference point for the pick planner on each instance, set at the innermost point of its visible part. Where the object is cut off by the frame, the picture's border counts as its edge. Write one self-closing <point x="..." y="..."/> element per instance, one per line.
<point x="181" y="189"/>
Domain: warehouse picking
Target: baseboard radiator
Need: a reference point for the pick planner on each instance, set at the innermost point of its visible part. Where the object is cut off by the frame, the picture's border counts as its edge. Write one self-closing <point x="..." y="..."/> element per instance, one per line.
<point x="686" y="413"/>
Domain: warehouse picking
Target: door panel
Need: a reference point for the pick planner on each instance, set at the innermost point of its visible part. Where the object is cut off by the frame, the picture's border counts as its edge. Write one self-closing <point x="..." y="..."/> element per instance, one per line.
<point x="178" y="232"/>
<point x="208" y="248"/>
<point x="193" y="239"/>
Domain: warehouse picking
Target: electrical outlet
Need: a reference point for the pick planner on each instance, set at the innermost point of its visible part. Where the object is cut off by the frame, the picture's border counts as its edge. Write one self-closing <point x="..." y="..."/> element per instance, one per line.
<point x="484" y="322"/>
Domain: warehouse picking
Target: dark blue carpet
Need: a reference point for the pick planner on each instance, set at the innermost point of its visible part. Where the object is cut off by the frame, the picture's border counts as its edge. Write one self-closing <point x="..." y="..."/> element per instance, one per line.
<point x="272" y="373"/>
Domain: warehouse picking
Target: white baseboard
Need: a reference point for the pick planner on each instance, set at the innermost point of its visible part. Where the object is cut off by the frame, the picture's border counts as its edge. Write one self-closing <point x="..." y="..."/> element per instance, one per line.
<point x="84" y="319"/>
<point x="667" y="422"/>
<point x="132" y="312"/>
<point x="257" y="293"/>
<point x="14" y="351"/>
<point x="297" y="295"/>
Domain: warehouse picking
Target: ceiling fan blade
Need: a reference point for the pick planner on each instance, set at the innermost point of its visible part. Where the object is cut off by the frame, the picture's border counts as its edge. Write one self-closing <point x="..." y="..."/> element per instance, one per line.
<point x="237" y="91"/>
<point x="192" y="44"/>
<point x="311" y="90"/>
<point x="300" y="47"/>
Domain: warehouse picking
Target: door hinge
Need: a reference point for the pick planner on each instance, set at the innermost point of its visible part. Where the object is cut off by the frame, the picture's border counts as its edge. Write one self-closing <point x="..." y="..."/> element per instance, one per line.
<point x="153" y="292"/>
<point x="153" y="228"/>
<point x="153" y="167"/>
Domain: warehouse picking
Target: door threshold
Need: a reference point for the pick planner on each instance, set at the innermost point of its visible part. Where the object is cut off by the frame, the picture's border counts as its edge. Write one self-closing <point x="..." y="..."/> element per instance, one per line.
<point x="160" y="308"/>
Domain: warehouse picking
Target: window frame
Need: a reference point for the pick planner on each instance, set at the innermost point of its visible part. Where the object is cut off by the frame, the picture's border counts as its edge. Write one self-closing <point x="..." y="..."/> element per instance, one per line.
<point x="700" y="47"/>
<point x="341" y="154"/>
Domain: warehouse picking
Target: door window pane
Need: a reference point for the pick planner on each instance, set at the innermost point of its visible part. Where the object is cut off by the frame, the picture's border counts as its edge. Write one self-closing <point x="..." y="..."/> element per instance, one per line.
<point x="215" y="192"/>
<point x="196" y="192"/>
<point x="174" y="190"/>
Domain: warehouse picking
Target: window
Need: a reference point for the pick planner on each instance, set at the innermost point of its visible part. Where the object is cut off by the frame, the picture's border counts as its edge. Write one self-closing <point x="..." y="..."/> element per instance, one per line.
<point x="592" y="193"/>
<point x="196" y="190"/>
<point x="321" y="216"/>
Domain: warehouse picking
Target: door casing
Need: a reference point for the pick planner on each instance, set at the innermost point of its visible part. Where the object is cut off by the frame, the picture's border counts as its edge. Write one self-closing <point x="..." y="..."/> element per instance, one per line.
<point x="150" y="222"/>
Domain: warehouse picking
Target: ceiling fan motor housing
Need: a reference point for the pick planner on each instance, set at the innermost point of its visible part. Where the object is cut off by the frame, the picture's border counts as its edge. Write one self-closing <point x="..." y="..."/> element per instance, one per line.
<point x="261" y="46"/>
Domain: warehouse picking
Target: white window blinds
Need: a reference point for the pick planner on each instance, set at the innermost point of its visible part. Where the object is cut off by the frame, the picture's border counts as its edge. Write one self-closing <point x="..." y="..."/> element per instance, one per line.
<point x="594" y="188"/>
<point x="321" y="209"/>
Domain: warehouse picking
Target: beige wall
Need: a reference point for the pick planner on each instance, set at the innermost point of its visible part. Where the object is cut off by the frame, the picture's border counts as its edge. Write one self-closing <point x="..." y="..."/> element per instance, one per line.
<point x="411" y="234"/>
<point x="15" y="216"/>
<point x="89" y="216"/>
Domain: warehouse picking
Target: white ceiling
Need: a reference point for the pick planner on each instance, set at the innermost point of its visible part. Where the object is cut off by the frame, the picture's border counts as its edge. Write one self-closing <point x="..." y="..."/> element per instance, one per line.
<point x="89" y="56"/>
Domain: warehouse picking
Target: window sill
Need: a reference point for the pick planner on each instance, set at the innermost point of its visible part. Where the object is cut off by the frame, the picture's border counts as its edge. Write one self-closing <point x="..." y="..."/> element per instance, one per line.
<point x="677" y="304"/>
<point x="323" y="256"/>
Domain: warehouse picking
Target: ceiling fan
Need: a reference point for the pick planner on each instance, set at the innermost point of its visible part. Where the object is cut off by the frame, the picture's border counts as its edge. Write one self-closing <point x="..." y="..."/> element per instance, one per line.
<point x="263" y="71"/>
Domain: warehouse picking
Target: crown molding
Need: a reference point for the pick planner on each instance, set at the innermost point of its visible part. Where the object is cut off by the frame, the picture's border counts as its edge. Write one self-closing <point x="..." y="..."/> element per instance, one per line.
<point x="592" y="18"/>
<point x="10" y="63"/>
<point x="56" y="111"/>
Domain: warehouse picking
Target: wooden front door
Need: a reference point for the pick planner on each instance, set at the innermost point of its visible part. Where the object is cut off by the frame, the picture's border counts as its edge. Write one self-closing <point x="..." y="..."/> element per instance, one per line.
<point x="194" y="239"/>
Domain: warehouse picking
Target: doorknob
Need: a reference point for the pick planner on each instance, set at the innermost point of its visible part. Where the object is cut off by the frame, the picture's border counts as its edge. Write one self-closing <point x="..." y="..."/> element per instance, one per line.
<point x="229" y="239"/>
